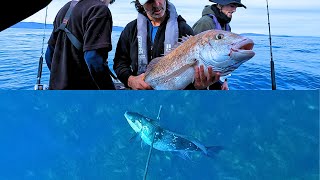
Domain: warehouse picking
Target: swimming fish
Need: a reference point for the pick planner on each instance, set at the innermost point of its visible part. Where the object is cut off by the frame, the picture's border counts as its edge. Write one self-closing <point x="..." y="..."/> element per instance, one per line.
<point x="164" y="140"/>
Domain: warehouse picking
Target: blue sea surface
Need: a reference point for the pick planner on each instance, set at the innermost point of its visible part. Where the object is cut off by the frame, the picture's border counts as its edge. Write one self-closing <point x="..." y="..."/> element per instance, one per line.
<point x="296" y="61"/>
<point x="72" y="135"/>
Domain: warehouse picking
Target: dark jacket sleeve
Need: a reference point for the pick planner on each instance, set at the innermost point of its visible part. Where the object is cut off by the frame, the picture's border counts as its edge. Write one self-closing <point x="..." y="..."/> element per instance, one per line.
<point x="98" y="70"/>
<point x="122" y="59"/>
<point x="49" y="55"/>
<point x="184" y="28"/>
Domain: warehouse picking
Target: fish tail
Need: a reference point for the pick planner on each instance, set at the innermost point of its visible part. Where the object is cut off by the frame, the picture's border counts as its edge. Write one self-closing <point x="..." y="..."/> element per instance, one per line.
<point x="213" y="150"/>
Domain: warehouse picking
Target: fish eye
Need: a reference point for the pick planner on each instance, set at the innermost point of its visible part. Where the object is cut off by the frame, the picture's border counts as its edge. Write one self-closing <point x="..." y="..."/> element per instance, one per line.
<point x="219" y="36"/>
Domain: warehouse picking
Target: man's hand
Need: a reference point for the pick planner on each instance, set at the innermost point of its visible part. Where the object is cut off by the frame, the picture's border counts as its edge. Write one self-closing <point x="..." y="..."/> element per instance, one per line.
<point x="225" y="86"/>
<point x="137" y="82"/>
<point x="201" y="80"/>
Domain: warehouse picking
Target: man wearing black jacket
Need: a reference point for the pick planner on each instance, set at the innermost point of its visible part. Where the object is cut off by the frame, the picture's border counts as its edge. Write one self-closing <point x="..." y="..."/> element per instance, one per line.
<point x="156" y="30"/>
<point x="79" y="61"/>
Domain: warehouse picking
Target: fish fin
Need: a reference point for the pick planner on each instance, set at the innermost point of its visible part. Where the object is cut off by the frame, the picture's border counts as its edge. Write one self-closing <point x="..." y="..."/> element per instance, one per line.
<point x="152" y="63"/>
<point x="182" y="40"/>
<point x="184" y="76"/>
<point x="184" y="68"/>
<point x="135" y="137"/>
<point x="210" y="151"/>
<point x="200" y="145"/>
<point x="213" y="150"/>
<point x="184" y="155"/>
<point x="143" y="144"/>
<point x="177" y="78"/>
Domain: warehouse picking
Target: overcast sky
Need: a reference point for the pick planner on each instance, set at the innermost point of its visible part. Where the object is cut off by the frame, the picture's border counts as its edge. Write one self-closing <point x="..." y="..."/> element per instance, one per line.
<point x="287" y="17"/>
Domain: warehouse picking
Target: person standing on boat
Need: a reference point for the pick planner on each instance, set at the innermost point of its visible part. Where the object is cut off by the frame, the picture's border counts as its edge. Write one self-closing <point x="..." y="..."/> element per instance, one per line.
<point x="156" y="30"/>
<point x="217" y="16"/>
<point x="78" y="47"/>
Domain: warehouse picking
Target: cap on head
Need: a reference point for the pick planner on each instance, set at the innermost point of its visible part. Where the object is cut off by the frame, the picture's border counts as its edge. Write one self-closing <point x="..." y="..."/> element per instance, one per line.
<point x="142" y="2"/>
<point x="226" y="2"/>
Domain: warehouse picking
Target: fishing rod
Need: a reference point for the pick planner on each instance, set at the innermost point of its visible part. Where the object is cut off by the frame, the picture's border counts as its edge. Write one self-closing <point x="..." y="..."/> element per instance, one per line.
<point x="273" y="78"/>
<point x="148" y="160"/>
<point x="38" y="85"/>
<point x="151" y="147"/>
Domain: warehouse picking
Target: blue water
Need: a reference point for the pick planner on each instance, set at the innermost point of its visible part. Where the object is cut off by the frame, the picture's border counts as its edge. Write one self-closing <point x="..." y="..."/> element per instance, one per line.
<point x="73" y="135"/>
<point x="296" y="61"/>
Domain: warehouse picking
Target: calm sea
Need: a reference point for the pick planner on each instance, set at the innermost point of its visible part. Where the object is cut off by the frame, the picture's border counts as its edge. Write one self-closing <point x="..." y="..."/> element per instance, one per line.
<point x="83" y="135"/>
<point x="296" y="60"/>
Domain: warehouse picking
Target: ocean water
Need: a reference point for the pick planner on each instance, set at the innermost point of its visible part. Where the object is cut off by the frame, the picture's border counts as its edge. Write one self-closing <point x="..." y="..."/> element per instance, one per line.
<point x="75" y="135"/>
<point x="296" y="61"/>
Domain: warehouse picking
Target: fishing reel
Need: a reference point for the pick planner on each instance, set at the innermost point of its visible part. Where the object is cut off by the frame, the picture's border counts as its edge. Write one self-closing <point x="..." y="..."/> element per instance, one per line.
<point x="40" y="87"/>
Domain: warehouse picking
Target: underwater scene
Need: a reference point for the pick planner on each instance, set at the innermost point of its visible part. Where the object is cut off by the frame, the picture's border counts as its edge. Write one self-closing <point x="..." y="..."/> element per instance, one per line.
<point x="80" y="135"/>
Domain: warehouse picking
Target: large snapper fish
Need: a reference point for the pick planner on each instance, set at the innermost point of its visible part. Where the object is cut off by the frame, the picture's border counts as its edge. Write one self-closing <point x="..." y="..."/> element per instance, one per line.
<point x="222" y="50"/>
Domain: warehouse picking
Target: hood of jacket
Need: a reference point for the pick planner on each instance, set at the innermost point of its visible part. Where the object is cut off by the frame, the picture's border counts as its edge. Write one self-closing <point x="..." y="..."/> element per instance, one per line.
<point x="207" y="10"/>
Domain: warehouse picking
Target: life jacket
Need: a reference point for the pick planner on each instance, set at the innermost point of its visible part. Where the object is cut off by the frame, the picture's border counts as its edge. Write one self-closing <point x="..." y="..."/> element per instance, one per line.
<point x="171" y="37"/>
<point x="218" y="26"/>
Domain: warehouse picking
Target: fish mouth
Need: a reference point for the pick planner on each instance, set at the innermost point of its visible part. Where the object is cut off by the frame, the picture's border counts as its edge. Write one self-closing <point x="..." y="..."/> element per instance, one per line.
<point x="242" y="50"/>
<point x="128" y="115"/>
<point x="133" y="122"/>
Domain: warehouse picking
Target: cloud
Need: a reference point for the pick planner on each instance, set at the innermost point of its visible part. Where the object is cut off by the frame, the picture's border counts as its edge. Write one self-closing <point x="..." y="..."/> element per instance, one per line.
<point x="285" y="15"/>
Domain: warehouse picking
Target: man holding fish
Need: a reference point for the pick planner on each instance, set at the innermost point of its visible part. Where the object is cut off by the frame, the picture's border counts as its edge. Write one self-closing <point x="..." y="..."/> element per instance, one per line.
<point x="149" y="55"/>
<point x="153" y="34"/>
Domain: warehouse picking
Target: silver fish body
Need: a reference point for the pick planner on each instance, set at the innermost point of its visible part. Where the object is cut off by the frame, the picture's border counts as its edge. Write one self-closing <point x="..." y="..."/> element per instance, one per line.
<point x="165" y="140"/>
<point x="222" y="50"/>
